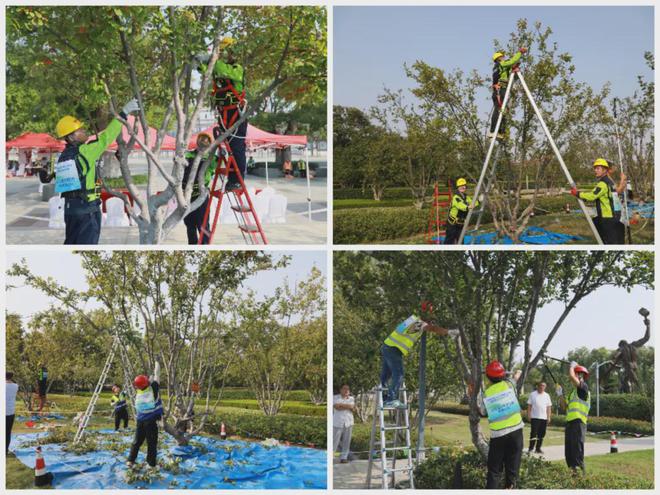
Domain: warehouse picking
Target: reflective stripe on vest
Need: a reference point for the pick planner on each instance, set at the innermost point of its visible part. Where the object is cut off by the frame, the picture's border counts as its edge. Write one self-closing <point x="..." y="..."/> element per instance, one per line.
<point x="578" y="408"/>
<point x="145" y="402"/>
<point x="502" y="406"/>
<point x="403" y="338"/>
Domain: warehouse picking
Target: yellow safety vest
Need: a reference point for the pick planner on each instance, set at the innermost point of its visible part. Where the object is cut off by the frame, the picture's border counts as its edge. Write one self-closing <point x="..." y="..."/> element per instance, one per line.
<point x="405" y="334"/>
<point x="502" y="406"/>
<point x="578" y="408"/>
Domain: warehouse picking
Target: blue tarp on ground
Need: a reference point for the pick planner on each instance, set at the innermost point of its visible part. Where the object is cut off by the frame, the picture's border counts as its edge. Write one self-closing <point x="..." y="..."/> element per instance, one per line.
<point x="531" y="235"/>
<point x="208" y="464"/>
<point x="37" y="417"/>
<point x="645" y="210"/>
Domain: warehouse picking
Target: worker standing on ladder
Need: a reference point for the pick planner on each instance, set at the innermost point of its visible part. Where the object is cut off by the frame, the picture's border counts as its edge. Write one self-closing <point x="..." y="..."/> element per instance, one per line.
<point x="194" y="220"/>
<point x="120" y="407"/>
<point x="460" y="204"/>
<point x="229" y="101"/>
<point x="75" y="175"/>
<point x="398" y="344"/>
<point x="149" y="409"/>
<point x="577" y="410"/>
<point x="608" y="205"/>
<point x="500" y="403"/>
<point x="501" y="70"/>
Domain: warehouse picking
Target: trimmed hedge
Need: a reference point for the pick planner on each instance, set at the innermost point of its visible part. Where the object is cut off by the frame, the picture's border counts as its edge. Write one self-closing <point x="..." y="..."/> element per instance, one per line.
<point x="464" y="468"/>
<point x="629" y="406"/>
<point x="302" y="430"/>
<point x="300" y="409"/>
<point x="390" y="193"/>
<point x="364" y="225"/>
<point x="594" y="424"/>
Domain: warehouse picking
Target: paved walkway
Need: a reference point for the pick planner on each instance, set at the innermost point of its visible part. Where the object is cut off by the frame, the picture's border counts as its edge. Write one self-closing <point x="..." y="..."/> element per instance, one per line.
<point x="354" y="474"/>
<point x="27" y="217"/>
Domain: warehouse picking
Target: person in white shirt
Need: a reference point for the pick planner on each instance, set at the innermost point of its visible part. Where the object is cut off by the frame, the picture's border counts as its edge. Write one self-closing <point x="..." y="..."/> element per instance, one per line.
<point x="539" y="412"/>
<point x="11" y="389"/>
<point x="343" y="405"/>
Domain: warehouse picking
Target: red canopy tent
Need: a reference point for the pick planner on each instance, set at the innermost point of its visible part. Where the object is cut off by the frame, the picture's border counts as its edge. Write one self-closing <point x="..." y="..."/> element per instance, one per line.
<point x="257" y="138"/>
<point x="39" y="141"/>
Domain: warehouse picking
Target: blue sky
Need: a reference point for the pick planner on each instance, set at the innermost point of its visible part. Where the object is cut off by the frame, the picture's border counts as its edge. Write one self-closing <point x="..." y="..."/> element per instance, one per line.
<point x="64" y="267"/>
<point x="371" y="44"/>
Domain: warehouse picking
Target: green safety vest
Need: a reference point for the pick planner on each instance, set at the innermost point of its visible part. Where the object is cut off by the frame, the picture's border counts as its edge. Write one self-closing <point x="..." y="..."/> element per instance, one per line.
<point x="578" y="408"/>
<point x="501" y="70"/>
<point x="607" y="201"/>
<point x="459" y="208"/>
<point x="405" y="334"/>
<point x="502" y="406"/>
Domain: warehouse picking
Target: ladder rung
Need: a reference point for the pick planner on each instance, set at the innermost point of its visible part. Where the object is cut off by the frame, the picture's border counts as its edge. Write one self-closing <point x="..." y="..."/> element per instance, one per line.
<point x="399" y="470"/>
<point x="391" y="408"/>
<point x="389" y="428"/>
<point x="241" y="208"/>
<point x="249" y="228"/>
<point x="391" y="449"/>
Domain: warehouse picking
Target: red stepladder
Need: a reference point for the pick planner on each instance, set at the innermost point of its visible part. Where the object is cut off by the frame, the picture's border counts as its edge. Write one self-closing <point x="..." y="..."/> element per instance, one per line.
<point x="239" y="200"/>
<point x="438" y="216"/>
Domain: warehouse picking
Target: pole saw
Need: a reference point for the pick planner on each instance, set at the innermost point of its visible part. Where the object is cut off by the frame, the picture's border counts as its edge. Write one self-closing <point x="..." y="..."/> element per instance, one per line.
<point x="625" y="219"/>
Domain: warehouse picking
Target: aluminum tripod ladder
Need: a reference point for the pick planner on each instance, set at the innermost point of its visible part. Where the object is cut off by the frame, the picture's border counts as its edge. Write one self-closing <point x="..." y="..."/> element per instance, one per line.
<point x="117" y="347"/>
<point x="384" y="445"/>
<point x="239" y="200"/>
<point x="625" y="215"/>
<point x="516" y="73"/>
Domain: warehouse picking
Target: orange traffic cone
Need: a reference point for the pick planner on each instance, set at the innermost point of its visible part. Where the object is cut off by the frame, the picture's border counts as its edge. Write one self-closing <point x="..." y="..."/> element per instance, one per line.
<point x="223" y="432"/>
<point x="41" y="476"/>
<point x="613" y="446"/>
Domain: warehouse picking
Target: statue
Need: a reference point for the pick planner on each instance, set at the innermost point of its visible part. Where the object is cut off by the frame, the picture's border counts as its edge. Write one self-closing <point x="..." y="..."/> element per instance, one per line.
<point x="625" y="358"/>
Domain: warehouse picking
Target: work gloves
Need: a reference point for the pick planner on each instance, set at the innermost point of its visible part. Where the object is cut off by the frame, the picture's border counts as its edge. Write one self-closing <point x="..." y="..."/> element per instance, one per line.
<point x="201" y="58"/>
<point x="573" y="364"/>
<point x="131" y="107"/>
<point x="574" y="191"/>
<point x="558" y="390"/>
<point x="522" y="50"/>
<point x="453" y="332"/>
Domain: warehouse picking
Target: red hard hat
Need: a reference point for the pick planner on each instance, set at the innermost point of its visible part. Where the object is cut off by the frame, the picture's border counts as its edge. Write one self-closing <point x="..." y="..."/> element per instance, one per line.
<point x="582" y="369"/>
<point x="427" y="307"/>
<point x="495" y="370"/>
<point x="141" y="382"/>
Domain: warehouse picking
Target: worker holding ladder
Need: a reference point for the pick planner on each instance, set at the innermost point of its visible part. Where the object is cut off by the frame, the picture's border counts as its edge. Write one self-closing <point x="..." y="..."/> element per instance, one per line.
<point x="398" y="344"/>
<point x="460" y="204"/>
<point x="608" y="205"/>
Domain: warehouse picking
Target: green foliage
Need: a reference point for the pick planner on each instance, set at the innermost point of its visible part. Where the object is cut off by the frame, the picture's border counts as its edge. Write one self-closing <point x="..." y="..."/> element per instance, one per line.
<point x="368" y="225"/>
<point x="439" y="471"/>
<point x="359" y="193"/>
<point x="302" y="430"/>
<point x="302" y="409"/>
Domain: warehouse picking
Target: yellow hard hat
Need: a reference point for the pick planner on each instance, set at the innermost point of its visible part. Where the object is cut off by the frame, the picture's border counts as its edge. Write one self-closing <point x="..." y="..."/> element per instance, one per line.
<point x="601" y="162"/>
<point x="204" y="134"/>
<point x="226" y="42"/>
<point x="497" y="55"/>
<point x="461" y="182"/>
<point x="66" y="125"/>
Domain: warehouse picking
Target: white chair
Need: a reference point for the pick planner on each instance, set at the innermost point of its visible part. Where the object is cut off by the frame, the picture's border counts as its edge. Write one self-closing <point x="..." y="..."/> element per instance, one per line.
<point x="277" y="208"/>
<point x="56" y="213"/>
<point x="115" y="214"/>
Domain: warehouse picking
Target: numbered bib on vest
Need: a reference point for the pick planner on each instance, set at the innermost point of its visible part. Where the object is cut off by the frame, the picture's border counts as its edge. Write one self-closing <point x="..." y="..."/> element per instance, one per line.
<point x="501" y="406"/>
<point x="616" y="200"/>
<point x="66" y="177"/>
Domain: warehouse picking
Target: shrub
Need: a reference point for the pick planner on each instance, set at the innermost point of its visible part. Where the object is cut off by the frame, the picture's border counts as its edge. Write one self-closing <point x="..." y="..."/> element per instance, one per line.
<point x="363" y="225"/>
<point x="302" y="430"/>
<point x="390" y="193"/>
<point x="464" y="468"/>
<point x="630" y="406"/>
<point x="288" y="408"/>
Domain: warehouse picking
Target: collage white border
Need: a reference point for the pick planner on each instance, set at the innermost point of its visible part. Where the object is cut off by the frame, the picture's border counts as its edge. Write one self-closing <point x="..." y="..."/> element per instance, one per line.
<point x="329" y="247"/>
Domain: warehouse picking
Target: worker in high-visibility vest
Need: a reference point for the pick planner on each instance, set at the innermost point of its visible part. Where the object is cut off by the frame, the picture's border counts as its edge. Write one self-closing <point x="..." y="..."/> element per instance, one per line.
<point x="398" y="344"/>
<point x="577" y="406"/>
<point x="501" y="70"/>
<point x="460" y="204"/>
<point x="608" y="204"/>
<point x="499" y="403"/>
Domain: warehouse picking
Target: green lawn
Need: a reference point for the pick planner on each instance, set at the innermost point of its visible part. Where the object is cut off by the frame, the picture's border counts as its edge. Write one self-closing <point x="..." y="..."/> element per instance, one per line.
<point x="638" y="463"/>
<point x="17" y="475"/>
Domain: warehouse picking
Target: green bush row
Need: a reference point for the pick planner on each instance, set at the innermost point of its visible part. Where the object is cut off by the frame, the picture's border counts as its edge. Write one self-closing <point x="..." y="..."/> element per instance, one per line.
<point x="301" y="430"/>
<point x="464" y="468"/>
<point x="364" y="225"/>
<point x="288" y="408"/>
<point x="630" y="406"/>
<point x="594" y="423"/>
<point x="390" y="193"/>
